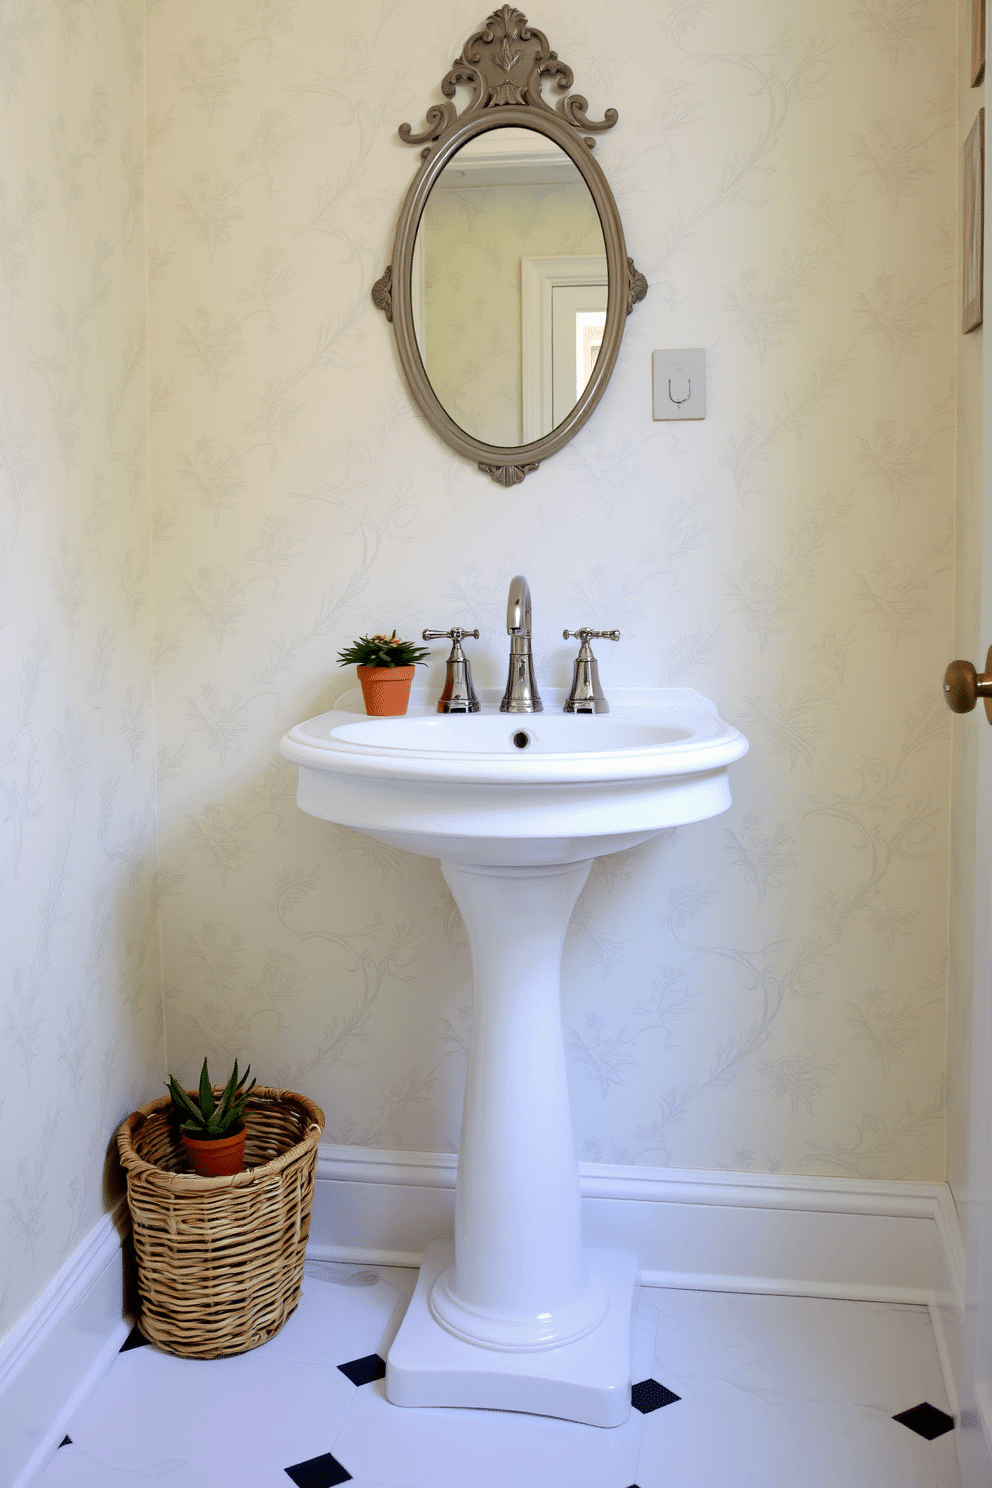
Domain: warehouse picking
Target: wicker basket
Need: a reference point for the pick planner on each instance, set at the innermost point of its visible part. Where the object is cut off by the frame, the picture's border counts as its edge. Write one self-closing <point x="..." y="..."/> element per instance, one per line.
<point x="220" y="1260"/>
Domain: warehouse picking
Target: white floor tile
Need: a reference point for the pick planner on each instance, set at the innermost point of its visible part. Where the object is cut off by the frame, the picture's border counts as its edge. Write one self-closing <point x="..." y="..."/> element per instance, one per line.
<point x="82" y="1467"/>
<point x="248" y="1409"/>
<point x="485" y="1449"/>
<point x="643" y="1341"/>
<point x="795" y="1349"/>
<point x="777" y="1392"/>
<point x="360" y="1278"/>
<point x="334" y="1322"/>
<point x="751" y="1444"/>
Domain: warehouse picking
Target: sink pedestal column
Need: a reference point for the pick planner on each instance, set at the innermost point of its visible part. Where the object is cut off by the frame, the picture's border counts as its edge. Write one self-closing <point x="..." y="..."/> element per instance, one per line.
<point x="518" y="1316"/>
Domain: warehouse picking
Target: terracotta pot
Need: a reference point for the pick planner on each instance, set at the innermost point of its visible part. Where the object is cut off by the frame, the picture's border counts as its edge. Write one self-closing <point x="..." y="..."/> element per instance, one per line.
<point x="386" y="690"/>
<point x="217" y="1157"/>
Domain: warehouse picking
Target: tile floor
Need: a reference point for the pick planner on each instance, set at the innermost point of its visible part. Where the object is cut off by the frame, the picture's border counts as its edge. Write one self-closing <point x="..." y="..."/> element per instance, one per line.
<point x="732" y="1391"/>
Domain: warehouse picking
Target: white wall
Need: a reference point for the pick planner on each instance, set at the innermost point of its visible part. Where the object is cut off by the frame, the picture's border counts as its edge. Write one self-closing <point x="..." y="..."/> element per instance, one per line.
<point x="767" y="991"/>
<point x="80" y="1010"/>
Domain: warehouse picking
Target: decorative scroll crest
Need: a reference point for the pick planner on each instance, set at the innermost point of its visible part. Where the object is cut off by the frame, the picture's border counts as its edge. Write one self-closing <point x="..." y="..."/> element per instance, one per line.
<point x="382" y="293"/>
<point x="505" y="63"/>
<point x="637" y="286"/>
<point x="508" y="475"/>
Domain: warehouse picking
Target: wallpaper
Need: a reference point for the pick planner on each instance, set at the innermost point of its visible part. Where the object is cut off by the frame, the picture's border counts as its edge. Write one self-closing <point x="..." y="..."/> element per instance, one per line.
<point x="80" y="1008"/>
<point x="968" y="641"/>
<point x="766" y="991"/>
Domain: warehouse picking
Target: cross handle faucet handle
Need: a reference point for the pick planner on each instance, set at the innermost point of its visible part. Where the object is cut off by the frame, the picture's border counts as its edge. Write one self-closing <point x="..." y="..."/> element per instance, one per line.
<point x="456" y="633"/>
<point x="585" y="635"/>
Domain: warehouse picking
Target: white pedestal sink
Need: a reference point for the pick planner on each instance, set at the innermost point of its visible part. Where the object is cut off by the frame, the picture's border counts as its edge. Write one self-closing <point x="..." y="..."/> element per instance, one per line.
<point x="517" y="1315"/>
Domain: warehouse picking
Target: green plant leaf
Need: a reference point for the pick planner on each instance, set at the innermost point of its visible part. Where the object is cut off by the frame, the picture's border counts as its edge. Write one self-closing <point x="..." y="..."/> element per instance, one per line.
<point x="212" y="1118"/>
<point x="382" y="651"/>
<point x="224" y="1115"/>
<point x="182" y="1100"/>
<point x="207" y="1102"/>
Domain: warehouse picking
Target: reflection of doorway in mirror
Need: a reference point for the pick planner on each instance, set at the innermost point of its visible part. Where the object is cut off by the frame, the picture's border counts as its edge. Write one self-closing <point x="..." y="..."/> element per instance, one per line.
<point x="555" y="292"/>
<point x="589" y="328"/>
<point x="571" y="304"/>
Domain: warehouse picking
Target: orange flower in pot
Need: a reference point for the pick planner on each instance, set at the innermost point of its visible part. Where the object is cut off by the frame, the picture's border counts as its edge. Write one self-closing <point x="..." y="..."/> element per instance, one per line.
<point x="385" y="666"/>
<point x="214" y="1131"/>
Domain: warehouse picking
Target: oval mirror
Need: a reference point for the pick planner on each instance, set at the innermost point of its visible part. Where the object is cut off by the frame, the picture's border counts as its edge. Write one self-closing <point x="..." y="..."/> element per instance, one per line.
<point x="509" y="287"/>
<point x="510" y="283"/>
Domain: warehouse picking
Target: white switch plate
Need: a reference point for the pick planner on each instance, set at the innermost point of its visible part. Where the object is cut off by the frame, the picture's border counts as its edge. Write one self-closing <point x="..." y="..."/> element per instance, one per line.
<point x="679" y="383"/>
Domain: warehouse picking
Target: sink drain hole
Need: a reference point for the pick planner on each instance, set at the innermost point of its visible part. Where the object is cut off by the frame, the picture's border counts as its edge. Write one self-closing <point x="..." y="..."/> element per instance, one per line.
<point x="521" y="739"/>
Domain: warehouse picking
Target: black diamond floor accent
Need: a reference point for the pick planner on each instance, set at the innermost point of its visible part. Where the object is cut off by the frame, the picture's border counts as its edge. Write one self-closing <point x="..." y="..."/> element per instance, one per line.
<point x="135" y="1339"/>
<point x="926" y="1420"/>
<point x="66" y="1441"/>
<point x="318" y="1472"/>
<point x="364" y="1371"/>
<point x="648" y="1396"/>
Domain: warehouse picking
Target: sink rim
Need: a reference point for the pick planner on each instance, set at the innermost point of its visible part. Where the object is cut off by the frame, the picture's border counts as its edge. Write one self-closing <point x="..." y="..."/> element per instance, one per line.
<point x="712" y="744"/>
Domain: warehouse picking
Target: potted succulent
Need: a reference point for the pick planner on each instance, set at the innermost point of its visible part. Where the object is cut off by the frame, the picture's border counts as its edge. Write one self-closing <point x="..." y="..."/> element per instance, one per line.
<point x="385" y="670"/>
<point x="214" y="1130"/>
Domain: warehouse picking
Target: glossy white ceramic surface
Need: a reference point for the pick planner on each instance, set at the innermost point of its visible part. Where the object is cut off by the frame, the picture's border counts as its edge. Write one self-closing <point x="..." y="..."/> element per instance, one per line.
<point x="516" y="807"/>
<point x="661" y="731"/>
<point x="461" y="788"/>
<point x="507" y="737"/>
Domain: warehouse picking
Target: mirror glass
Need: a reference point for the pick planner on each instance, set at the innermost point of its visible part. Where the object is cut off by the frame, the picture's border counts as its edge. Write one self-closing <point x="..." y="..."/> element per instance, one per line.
<point x="509" y="286"/>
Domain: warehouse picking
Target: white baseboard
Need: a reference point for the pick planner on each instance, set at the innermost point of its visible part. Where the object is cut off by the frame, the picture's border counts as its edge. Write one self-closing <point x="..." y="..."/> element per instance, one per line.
<point x="55" y="1356"/>
<point x="818" y="1237"/>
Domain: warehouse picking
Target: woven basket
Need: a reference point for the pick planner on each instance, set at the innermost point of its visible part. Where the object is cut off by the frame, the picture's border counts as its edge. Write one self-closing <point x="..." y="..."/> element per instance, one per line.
<point x="220" y="1260"/>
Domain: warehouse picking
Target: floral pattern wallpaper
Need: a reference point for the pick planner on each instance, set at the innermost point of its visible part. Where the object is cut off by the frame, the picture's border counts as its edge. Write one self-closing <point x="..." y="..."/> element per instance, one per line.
<point x="767" y="991"/>
<point x="969" y="641"/>
<point x="80" y="1011"/>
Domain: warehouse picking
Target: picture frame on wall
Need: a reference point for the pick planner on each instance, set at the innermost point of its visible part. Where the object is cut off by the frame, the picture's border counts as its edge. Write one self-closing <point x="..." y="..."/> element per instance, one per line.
<point x="977" y="42"/>
<point x="973" y="235"/>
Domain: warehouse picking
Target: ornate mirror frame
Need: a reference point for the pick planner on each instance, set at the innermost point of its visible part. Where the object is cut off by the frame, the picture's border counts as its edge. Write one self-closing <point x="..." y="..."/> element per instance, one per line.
<point x="503" y="65"/>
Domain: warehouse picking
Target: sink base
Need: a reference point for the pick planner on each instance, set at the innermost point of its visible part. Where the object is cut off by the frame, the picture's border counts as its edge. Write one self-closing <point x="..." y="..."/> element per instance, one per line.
<point x="587" y="1381"/>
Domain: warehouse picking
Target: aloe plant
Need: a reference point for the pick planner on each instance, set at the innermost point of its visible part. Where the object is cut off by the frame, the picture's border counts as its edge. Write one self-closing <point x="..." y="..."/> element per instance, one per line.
<point x="382" y="651"/>
<point x="208" y="1117"/>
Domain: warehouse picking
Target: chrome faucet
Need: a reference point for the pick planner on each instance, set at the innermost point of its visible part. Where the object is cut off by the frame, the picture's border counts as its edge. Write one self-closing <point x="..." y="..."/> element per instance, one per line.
<point x="521" y="695"/>
<point x="459" y="696"/>
<point x="586" y="695"/>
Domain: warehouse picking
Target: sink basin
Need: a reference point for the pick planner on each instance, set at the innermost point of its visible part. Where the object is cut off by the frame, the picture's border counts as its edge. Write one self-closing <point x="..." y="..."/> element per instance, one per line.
<point x="517" y="1315"/>
<point x="531" y="788"/>
<point x="504" y="739"/>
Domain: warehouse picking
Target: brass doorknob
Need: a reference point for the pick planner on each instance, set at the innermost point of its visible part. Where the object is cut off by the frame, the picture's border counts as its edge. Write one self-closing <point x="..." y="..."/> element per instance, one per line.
<point x="963" y="686"/>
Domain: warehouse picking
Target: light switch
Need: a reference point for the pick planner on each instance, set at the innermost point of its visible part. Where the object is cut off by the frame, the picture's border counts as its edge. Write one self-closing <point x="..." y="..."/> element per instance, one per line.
<point x="679" y="383"/>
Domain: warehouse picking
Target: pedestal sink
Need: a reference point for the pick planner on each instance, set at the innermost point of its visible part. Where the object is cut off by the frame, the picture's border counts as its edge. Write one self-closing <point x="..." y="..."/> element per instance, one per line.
<point x="517" y="1315"/>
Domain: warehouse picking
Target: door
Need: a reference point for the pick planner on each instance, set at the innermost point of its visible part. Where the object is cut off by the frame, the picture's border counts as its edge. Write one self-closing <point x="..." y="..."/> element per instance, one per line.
<point x="975" y="1427"/>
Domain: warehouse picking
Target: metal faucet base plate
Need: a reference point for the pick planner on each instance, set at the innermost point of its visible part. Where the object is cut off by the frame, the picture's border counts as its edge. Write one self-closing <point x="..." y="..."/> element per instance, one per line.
<point x="587" y="1381"/>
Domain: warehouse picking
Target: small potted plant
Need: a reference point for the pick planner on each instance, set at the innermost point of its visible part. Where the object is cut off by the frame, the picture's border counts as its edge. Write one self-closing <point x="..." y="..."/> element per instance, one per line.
<point x="385" y="670"/>
<point x="214" y="1130"/>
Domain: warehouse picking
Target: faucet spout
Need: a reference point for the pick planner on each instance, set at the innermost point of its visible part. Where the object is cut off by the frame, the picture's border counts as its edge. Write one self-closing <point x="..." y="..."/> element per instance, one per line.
<point x="521" y="695"/>
<point x="518" y="607"/>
